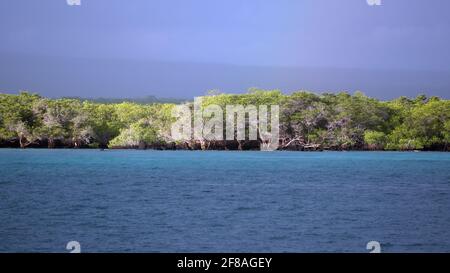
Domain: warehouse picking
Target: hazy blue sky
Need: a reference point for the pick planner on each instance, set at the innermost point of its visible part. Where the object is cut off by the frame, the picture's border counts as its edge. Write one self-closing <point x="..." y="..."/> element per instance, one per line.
<point x="182" y="48"/>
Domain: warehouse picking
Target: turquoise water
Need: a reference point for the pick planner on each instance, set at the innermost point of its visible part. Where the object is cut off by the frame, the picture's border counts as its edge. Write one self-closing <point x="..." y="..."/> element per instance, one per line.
<point x="183" y="201"/>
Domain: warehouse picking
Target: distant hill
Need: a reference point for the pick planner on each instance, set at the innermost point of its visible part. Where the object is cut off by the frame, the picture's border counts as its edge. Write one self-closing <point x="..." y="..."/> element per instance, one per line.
<point x="143" y="100"/>
<point x="139" y="78"/>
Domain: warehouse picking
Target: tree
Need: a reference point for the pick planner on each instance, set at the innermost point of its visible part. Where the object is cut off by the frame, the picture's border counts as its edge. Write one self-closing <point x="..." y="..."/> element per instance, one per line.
<point x="375" y="140"/>
<point x="104" y="122"/>
<point x="143" y="125"/>
<point x="330" y="121"/>
<point x="18" y="119"/>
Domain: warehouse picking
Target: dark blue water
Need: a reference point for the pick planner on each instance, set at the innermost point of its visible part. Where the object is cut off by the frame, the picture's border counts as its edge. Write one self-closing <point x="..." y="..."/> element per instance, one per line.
<point x="182" y="201"/>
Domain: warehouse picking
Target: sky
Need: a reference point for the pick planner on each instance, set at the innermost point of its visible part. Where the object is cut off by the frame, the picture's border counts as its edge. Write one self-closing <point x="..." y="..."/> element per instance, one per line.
<point x="183" y="48"/>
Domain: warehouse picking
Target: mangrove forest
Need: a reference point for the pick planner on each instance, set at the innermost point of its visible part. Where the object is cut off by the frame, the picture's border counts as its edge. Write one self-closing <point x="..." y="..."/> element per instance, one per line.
<point x="308" y="121"/>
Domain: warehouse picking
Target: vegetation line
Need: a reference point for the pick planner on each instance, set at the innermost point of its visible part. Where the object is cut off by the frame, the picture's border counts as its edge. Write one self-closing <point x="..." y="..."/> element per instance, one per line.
<point x="308" y="121"/>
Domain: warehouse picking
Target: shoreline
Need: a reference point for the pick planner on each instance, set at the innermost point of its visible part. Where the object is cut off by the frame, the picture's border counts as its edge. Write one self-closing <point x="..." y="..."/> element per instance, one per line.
<point x="221" y="150"/>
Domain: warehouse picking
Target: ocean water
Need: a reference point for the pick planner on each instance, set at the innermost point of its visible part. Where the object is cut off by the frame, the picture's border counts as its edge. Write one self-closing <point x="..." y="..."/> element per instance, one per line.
<point x="184" y="201"/>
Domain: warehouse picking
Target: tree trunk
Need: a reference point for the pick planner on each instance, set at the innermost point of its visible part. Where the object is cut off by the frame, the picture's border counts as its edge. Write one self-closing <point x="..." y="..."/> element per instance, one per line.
<point x="51" y="143"/>
<point x="21" y="141"/>
<point x="202" y="144"/>
<point x="239" y="145"/>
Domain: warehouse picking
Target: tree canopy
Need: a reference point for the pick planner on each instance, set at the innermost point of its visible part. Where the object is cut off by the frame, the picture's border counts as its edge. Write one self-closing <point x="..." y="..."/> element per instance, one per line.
<point x="329" y="121"/>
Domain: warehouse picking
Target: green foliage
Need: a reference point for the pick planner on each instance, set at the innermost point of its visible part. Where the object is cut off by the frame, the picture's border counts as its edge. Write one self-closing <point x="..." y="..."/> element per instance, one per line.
<point x="334" y="121"/>
<point x="375" y="139"/>
<point x="103" y="120"/>
<point x="143" y="125"/>
<point x="18" y="118"/>
<point x="420" y="124"/>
